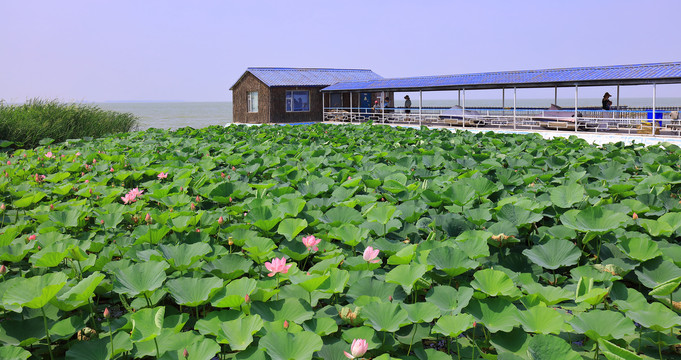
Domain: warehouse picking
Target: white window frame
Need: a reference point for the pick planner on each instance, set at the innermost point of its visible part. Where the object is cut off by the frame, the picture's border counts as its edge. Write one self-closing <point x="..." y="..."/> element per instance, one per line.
<point x="252" y="102"/>
<point x="291" y="92"/>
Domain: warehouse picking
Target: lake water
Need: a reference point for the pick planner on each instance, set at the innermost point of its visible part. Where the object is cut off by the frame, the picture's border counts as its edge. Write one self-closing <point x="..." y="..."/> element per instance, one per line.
<point x="174" y="115"/>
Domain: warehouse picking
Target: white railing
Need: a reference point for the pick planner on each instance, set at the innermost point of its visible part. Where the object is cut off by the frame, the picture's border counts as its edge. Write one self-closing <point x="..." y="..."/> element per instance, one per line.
<point x="617" y="121"/>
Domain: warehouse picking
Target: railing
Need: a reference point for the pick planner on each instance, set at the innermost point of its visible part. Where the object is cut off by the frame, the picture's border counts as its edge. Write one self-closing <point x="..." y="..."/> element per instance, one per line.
<point x="625" y="121"/>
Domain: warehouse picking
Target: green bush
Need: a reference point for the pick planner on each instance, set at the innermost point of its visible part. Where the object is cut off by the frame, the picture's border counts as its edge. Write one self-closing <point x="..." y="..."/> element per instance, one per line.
<point x="25" y="125"/>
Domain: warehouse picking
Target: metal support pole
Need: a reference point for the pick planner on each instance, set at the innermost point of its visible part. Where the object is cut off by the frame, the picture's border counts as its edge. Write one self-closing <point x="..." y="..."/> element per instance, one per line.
<point x="350" y="107"/>
<point x="654" y="98"/>
<point x="514" y="106"/>
<point x="420" y="103"/>
<point x="503" y="99"/>
<point x="459" y="103"/>
<point x="382" y="107"/>
<point x="576" y="105"/>
<point x="323" y="108"/>
<point x="463" y="112"/>
<point x="555" y="95"/>
<point x="618" y="97"/>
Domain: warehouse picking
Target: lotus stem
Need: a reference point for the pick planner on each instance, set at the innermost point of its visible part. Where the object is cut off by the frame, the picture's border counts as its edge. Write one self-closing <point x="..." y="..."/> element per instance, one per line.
<point x="158" y="353"/>
<point x="458" y="349"/>
<point x="474" y="344"/>
<point x="147" y="299"/>
<point x="412" y="342"/>
<point x="47" y="332"/>
<point x="111" y="339"/>
<point x="596" y="357"/>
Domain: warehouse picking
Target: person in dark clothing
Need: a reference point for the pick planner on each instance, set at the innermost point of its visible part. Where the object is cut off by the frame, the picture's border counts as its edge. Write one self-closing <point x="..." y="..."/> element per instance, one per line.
<point x="606" y="101"/>
<point x="407" y="104"/>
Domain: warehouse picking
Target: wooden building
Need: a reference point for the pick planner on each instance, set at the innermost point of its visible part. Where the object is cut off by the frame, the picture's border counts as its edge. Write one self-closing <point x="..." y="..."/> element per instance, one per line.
<point x="290" y="95"/>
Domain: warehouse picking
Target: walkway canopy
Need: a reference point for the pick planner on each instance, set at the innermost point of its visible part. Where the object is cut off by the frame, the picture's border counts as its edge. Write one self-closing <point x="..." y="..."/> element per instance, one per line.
<point x="641" y="74"/>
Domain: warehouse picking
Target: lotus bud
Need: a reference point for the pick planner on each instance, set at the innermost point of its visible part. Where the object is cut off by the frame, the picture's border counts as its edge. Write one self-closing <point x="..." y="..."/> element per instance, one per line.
<point x="111" y="170"/>
<point x="193" y="207"/>
<point x="107" y="314"/>
<point x="9" y="162"/>
<point x="221" y="220"/>
<point x="390" y="298"/>
<point x="222" y="175"/>
<point x="185" y="353"/>
<point x="3" y="269"/>
<point x="94" y="161"/>
<point x="198" y="230"/>
<point x="230" y="241"/>
<point x="349" y="178"/>
<point x="230" y="199"/>
<point x="198" y="199"/>
<point x="229" y="177"/>
<point x="233" y="168"/>
<point x="285" y="324"/>
<point x="147" y="218"/>
<point x="247" y="299"/>
<point x="90" y="191"/>
<point x="101" y="222"/>
<point x="635" y="216"/>
<point x="3" y="207"/>
<point x="31" y="237"/>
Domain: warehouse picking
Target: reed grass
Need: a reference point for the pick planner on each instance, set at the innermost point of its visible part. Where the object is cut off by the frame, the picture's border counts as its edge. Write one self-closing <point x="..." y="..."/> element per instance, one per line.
<point x="26" y="124"/>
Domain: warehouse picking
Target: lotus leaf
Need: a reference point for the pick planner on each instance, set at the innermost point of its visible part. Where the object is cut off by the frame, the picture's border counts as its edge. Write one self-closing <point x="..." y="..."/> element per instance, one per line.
<point x="541" y="320"/>
<point x="602" y="324"/>
<point x="554" y="254"/>
<point x="285" y="346"/>
<point x="193" y="291"/>
<point x="453" y="325"/>
<point x="494" y="283"/>
<point x="142" y="278"/>
<point x="593" y="219"/>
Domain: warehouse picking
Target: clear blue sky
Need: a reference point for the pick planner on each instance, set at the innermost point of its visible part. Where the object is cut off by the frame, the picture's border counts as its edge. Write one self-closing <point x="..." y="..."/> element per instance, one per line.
<point x="96" y="50"/>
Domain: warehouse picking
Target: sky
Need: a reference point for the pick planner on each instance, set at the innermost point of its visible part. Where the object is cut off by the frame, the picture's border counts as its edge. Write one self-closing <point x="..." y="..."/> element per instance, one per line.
<point x="132" y="50"/>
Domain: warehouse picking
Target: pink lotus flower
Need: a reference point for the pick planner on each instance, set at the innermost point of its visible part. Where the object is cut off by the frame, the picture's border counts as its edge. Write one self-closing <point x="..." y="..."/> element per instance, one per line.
<point x="185" y="353"/>
<point x="192" y="206"/>
<point x="358" y="348"/>
<point x="221" y="220"/>
<point x="285" y="324"/>
<point x="94" y="161"/>
<point x="162" y="175"/>
<point x="3" y="207"/>
<point x="370" y="255"/>
<point x="222" y="175"/>
<point x="3" y="269"/>
<point x="49" y="154"/>
<point x="132" y="195"/>
<point x="9" y="162"/>
<point x="78" y="153"/>
<point x="311" y="242"/>
<point x="147" y="218"/>
<point x="277" y="266"/>
<point x="635" y="216"/>
<point x="198" y="199"/>
<point x="106" y="313"/>
<point x="112" y="169"/>
<point x="87" y="181"/>
<point x="247" y="298"/>
<point x="31" y="237"/>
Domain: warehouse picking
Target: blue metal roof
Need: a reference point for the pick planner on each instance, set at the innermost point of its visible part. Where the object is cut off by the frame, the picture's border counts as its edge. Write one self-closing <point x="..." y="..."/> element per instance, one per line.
<point x="309" y="76"/>
<point x="584" y="76"/>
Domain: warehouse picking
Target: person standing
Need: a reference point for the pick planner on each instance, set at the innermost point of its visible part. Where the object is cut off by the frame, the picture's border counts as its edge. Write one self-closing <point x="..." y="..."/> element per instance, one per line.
<point x="606" y="101"/>
<point x="407" y="104"/>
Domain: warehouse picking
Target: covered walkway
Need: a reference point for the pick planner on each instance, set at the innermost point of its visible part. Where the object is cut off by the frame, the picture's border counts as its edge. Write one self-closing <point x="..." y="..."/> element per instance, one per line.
<point x="619" y="119"/>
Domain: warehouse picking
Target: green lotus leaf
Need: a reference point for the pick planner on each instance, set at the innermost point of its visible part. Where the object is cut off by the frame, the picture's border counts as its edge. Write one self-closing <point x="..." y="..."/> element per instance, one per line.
<point x="496" y="314"/>
<point x="474" y="243"/>
<point x="229" y="266"/>
<point x="451" y="260"/>
<point x="453" y="325"/>
<point x="150" y="234"/>
<point x="549" y="295"/>
<point x="494" y="283"/>
<point x="199" y="349"/>
<point x="666" y="288"/>
<point x="29" y="199"/>
<point x="233" y="294"/>
<point x="639" y="248"/>
<point x="406" y="275"/>
<point x="14" y="353"/>
<point x="375" y="289"/>
<point x="142" y="278"/>
<point x="147" y="324"/>
<point x="550" y="347"/>
<point x="385" y="316"/>
<point x="349" y="234"/>
<point x="614" y="352"/>
<point x="309" y="282"/>
<point x="295" y="310"/>
<point x="193" y="291"/>
<point x="79" y="294"/>
<point x="291" y="206"/>
<point x="673" y="219"/>
<point x="34" y="292"/>
<point x="541" y="320"/>
<point x="459" y="193"/>
<point x="22" y="332"/>
<point x="602" y="324"/>
<point x="211" y="324"/>
<point x="265" y="218"/>
<point x="518" y="216"/>
<point x="448" y="299"/>
<point x="626" y="298"/>
<point x="421" y="311"/>
<point x="89" y="350"/>
<point x="239" y="332"/>
<point x="586" y="292"/>
<point x="656" y="227"/>
<point x="290" y="228"/>
<point x="260" y="249"/>
<point x="565" y="196"/>
<point x="554" y="254"/>
<point x="340" y="215"/>
<point x="593" y="219"/>
<point x="655" y="316"/>
<point x="182" y="257"/>
<point x="321" y="326"/>
<point x="382" y="213"/>
<point x="281" y="345"/>
<point x="403" y="257"/>
<point x="655" y="272"/>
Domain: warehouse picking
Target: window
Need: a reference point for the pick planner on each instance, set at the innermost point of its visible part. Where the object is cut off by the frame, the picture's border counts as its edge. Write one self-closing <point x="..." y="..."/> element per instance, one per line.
<point x="297" y="101"/>
<point x="252" y="101"/>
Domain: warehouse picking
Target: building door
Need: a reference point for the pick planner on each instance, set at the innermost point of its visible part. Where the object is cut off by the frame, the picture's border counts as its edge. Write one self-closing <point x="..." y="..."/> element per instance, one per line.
<point x="336" y="101"/>
<point x="365" y="102"/>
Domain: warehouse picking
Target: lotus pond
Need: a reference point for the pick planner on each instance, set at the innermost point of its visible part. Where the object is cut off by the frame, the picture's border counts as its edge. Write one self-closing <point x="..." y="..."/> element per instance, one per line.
<point x="313" y="242"/>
